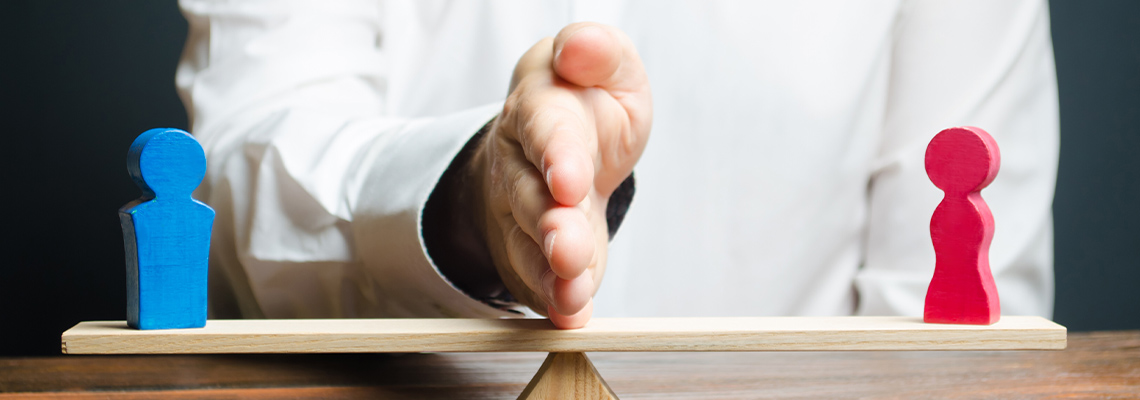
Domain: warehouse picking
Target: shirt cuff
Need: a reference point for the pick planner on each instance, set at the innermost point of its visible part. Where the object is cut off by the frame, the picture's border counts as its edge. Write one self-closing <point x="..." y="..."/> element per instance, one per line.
<point x="395" y="181"/>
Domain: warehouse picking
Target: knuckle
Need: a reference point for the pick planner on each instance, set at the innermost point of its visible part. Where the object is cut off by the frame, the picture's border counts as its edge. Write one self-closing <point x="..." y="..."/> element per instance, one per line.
<point x="513" y="243"/>
<point x="499" y="188"/>
<point x="556" y="119"/>
<point x="516" y="190"/>
<point x="542" y="278"/>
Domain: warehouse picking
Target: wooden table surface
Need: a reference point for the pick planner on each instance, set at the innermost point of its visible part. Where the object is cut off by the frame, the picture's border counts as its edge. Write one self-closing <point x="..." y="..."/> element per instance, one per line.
<point x="1097" y="365"/>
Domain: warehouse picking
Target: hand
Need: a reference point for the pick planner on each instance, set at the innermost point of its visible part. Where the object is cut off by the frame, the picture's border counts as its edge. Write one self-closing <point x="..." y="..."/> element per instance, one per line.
<point x="576" y="121"/>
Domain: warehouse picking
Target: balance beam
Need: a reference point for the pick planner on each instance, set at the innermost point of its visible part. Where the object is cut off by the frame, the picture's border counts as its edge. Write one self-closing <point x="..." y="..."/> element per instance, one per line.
<point x="538" y="335"/>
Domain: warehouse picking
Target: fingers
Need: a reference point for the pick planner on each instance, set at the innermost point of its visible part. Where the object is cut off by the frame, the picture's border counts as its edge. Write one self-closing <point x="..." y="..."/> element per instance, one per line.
<point x="548" y="245"/>
<point x="529" y="264"/>
<point x="566" y="240"/>
<point x="565" y="296"/>
<point x="574" y="321"/>
<point x="579" y="136"/>
<point x="551" y="126"/>
<point x="603" y="58"/>
<point x="557" y="137"/>
<point x="576" y="120"/>
<point x="564" y="235"/>
<point x="571" y="295"/>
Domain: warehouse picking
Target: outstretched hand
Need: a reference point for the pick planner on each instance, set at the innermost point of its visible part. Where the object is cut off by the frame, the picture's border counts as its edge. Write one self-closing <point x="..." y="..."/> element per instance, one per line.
<point x="576" y="121"/>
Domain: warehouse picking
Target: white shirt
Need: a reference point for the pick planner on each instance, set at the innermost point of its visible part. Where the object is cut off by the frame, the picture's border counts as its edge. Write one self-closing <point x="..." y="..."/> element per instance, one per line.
<point x="783" y="176"/>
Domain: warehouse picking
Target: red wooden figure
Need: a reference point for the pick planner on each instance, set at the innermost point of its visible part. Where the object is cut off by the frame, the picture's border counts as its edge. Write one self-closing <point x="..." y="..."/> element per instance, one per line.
<point x="962" y="161"/>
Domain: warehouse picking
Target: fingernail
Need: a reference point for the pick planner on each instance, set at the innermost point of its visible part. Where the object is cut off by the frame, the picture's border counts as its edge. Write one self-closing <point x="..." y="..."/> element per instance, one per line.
<point x="558" y="49"/>
<point x="548" y="175"/>
<point x="548" y="285"/>
<point x="548" y="243"/>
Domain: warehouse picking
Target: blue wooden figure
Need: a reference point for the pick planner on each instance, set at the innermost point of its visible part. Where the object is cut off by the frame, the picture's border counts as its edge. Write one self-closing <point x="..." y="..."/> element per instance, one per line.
<point x="166" y="232"/>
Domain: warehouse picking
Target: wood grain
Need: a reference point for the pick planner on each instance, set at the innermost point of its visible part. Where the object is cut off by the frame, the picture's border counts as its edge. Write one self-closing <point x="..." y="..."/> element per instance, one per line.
<point x="1100" y="365"/>
<point x="601" y="334"/>
<point x="567" y="376"/>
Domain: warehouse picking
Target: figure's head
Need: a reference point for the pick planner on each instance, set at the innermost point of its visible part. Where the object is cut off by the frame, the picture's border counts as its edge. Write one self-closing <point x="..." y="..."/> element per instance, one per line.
<point x="166" y="162"/>
<point x="962" y="160"/>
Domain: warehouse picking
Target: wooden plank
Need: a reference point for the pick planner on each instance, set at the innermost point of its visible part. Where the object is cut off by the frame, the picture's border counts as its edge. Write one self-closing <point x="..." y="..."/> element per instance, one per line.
<point x="601" y="334"/>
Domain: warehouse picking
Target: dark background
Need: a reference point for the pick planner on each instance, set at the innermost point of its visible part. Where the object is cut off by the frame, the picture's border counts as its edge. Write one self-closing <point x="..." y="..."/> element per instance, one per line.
<point x="80" y="79"/>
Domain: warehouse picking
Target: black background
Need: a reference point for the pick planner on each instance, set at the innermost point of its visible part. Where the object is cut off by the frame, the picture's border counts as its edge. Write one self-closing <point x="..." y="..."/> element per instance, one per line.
<point x="80" y="79"/>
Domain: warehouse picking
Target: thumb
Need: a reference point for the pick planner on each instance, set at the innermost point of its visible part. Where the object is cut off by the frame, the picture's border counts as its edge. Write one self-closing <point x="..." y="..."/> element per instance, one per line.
<point x="589" y="54"/>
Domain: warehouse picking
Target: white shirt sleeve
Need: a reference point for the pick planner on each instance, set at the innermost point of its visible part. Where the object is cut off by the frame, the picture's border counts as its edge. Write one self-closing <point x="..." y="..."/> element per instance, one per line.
<point x="981" y="63"/>
<point x="319" y="192"/>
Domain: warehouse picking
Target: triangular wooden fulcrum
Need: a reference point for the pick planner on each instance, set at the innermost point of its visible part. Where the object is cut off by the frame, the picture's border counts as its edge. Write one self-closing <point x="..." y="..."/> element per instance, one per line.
<point x="567" y="376"/>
